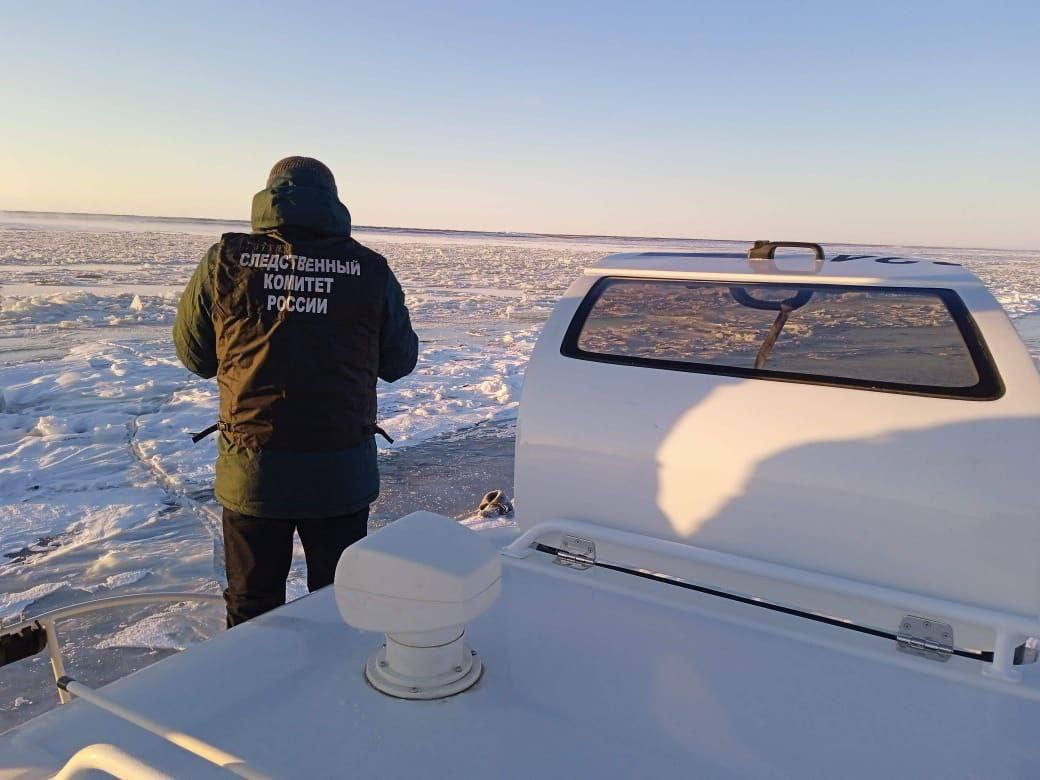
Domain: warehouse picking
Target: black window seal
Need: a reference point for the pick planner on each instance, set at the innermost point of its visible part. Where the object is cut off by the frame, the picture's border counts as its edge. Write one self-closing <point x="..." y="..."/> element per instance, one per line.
<point x="990" y="386"/>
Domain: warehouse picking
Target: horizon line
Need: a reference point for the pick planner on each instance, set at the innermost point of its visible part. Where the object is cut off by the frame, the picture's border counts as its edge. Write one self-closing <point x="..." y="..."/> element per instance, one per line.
<point x="509" y="233"/>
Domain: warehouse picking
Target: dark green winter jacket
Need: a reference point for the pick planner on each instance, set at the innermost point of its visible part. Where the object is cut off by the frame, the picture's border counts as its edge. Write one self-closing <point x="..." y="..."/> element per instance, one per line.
<point x="279" y="483"/>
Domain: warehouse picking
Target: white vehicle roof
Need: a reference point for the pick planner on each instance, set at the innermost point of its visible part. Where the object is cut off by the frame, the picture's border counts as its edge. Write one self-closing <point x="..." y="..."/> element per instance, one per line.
<point x="858" y="269"/>
<point x="587" y="674"/>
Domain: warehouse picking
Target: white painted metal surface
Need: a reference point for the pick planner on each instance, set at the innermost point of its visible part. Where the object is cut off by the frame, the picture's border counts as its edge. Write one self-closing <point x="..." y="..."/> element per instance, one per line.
<point x="589" y="674"/>
<point x="688" y="564"/>
<point x="844" y="269"/>
<point x="930" y="495"/>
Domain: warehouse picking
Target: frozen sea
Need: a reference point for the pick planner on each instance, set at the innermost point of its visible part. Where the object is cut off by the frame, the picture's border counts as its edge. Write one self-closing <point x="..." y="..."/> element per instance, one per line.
<point x="102" y="492"/>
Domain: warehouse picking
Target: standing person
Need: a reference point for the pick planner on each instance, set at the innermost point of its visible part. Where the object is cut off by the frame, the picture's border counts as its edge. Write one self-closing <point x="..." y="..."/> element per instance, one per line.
<point x="296" y="320"/>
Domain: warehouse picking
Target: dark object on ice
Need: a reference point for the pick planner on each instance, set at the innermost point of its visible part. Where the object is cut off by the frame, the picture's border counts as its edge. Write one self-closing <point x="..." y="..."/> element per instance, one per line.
<point x="22" y="644"/>
<point x="495" y="503"/>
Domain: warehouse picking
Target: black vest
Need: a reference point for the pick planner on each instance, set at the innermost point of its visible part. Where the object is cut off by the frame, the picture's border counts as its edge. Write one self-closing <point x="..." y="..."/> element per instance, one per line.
<point x="297" y="330"/>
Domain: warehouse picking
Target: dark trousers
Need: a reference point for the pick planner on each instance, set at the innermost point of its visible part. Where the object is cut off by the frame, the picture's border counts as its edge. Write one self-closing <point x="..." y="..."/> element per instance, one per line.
<point x="258" y="554"/>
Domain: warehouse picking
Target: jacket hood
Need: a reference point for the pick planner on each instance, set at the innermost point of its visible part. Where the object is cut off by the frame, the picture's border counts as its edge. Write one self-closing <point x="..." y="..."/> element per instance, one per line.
<point x="288" y="203"/>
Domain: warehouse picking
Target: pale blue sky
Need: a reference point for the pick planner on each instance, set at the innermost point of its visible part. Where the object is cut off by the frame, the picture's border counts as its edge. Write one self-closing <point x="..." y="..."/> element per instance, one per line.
<point x="882" y="123"/>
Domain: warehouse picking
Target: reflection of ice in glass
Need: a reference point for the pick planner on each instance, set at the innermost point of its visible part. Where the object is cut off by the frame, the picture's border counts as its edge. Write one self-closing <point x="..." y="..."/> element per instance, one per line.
<point x="869" y="334"/>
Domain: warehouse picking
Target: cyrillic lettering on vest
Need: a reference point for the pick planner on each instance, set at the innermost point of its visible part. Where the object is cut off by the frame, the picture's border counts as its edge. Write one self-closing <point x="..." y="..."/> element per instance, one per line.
<point x="297" y="328"/>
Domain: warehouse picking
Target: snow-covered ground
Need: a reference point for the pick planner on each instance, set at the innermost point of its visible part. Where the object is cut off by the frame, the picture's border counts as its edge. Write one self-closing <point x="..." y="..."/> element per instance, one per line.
<point x="102" y="492"/>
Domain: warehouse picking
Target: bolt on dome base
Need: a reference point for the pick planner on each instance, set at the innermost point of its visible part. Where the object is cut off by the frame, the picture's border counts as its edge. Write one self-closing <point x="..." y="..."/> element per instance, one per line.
<point x="384" y="679"/>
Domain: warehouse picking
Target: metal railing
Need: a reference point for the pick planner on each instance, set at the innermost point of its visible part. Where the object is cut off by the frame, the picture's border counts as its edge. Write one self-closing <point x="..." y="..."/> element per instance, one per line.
<point x="102" y="757"/>
<point x="105" y="757"/>
<point x="186" y="742"/>
<point x="48" y="620"/>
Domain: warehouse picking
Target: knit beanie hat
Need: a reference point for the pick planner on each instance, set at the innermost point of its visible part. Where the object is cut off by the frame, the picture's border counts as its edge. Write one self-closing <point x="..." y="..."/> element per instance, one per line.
<point x="305" y="171"/>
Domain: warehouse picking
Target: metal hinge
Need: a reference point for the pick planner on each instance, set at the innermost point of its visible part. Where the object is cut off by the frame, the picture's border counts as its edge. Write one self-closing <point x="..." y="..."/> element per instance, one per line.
<point x="576" y="552"/>
<point x="1028" y="652"/>
<point x="925" y="637"/>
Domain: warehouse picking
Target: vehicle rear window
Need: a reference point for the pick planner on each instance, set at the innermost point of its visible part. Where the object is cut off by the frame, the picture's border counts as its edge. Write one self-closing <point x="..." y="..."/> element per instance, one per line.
<point x="921" y="341"/>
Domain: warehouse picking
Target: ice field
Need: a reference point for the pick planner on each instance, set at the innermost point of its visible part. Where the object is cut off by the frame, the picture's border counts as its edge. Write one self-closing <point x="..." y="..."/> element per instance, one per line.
<point x="101" y="490"/>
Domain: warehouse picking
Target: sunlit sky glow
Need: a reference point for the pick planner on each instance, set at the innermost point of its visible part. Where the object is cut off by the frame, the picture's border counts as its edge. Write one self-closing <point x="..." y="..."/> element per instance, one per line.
<point x="881" y="123"/>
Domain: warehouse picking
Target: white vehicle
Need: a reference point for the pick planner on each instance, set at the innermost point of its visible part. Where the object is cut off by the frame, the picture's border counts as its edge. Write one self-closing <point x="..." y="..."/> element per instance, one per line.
<point x="773" y="519"/>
